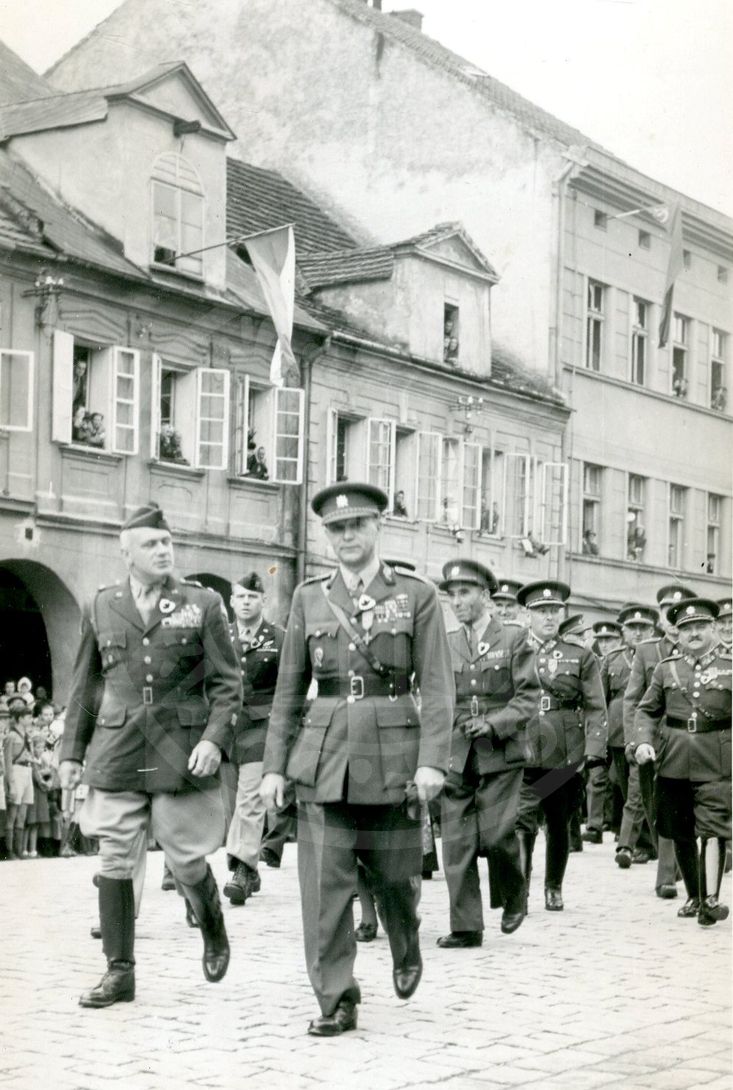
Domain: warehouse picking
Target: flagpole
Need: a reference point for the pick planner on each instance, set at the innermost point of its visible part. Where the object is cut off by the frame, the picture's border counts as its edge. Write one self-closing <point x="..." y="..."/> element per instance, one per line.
<point x="231" y="241"/>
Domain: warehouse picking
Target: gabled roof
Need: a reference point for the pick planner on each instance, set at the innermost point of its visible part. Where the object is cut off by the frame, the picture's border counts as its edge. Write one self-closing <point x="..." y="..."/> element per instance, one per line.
<point x="82" y="107"/>
<point x="259" y="199"/>
<point x="377" y="262"/>
<point x="18" y="81"/>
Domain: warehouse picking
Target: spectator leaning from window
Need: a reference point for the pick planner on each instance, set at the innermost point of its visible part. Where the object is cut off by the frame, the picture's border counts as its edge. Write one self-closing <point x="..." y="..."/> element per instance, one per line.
<point x="79" y="429"/>
<point x="257" y="465"/>
<point x="96" y="436"/>
<point x="719" y="399"/>
<point x="170" y="446"/>
<point x="398" y="507"/>
<point x="590" y="548"/>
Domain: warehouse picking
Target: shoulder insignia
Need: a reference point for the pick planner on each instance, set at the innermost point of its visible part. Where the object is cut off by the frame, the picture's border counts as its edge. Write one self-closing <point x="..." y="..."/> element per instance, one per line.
<point x="317" y="579"/>
<point x="649" y="639"/>
<point x="616" y="651"/>
<point x="193" y="583"/>
<point x="513" y="624"/>
<point x="574" y="640"/>
<point x="407" y="574"/>
<point x="108" y="586"/>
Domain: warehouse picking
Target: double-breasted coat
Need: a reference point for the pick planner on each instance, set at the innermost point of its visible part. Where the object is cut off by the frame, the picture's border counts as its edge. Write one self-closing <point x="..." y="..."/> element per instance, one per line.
<point x="144" y="695"/>
<point x="359" y="722"/>
<point x="259" y="662"/>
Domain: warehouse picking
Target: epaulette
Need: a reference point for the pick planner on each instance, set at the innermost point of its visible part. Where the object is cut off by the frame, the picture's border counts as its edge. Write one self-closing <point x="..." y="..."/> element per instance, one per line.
<point x="650" y="639"/>
<point x="108" y="586"/>
<point x="409" y="573"/>
<point x="615" y="651"/>
<point x="194" y="583"/>
<point x="515" y="624"/>
<point x="316" y="579"/>
<point x="574" y="640"/>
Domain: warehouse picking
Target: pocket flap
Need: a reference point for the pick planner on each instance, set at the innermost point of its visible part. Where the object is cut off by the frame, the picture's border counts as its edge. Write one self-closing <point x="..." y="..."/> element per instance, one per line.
<point x="319" y="714"/>
<point x="396" y="715"/>
<point x="112" y="717"/>
<point x="325" y="628"/>
<point x="182" y="636"/>
<point x="192" y="715"/>
<point x="112" y="639"/>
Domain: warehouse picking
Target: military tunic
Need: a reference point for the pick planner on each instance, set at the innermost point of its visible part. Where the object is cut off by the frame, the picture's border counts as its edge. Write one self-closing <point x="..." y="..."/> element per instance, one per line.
<point x="260" y="661"/>
<point x="353" y="753"/>
<point x="497" y="685"/>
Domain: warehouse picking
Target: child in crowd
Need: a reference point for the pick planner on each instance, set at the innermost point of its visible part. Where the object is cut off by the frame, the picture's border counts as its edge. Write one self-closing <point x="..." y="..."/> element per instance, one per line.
<point x="25" y="688"/>
<point x="38" y="821"/>
<point x="18" y="770"/>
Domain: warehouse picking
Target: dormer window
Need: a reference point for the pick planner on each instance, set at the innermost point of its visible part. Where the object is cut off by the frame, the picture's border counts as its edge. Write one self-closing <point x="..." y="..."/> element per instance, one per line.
<point x="178" y="215"/>
<point x="450" y="333"/>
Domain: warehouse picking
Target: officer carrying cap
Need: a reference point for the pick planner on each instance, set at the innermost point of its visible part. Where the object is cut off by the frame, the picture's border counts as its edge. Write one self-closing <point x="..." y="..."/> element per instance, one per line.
<point x="633" y="613"/>
<point x="693" y="609"/>
<point x="468" y="571"/>
<point x="672" y="593"/>
<point x="149" y="516"/>
<point x="573" y="626"/>
<point x="348" y="500"/>
<point x="251" y="581"/>
<point x="543" y="592"/>
<point x="506" y="590"/>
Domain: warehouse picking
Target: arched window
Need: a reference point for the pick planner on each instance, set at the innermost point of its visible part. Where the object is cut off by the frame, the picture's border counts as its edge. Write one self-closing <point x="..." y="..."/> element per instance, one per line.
<point x="178" y="214"/>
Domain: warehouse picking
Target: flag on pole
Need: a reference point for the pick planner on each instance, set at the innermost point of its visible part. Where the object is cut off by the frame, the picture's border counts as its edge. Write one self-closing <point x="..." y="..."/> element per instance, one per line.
<point x="272" y="254"/>
<point x="674" y="268"/>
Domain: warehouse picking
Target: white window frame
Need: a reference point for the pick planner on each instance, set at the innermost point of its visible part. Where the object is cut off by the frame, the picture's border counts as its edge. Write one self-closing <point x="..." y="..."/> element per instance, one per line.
<point x="595" y="317"/>
<point x="6" y="354"/>
<point x="680" y="520"/>
<point x="509" y="502"/>
<point x="118" y="402"/>
<point x="492" y="497"/>
<point x="713" y="528"/>
<point x="357" y="451"/>
<point x="682" y="346"/>
<point x="189" y="388"/>
<point x="634" y="507"/>
<point x="436" y="438"/>
<point x="596" y="498"/>
<point x="471" y="490"/>
<point x="278" y="460"/>
<point x="719" y="358"/>
<point x="184" y="178"/>
<point x="105" y="360"/>
<point x="385" y="481"/>
<point x="450" y="506"/>
<point x="241" y="424"/>
<point x="543" y="506"/>
<point x="201" y="374"/>
<point x="639" y="336"/>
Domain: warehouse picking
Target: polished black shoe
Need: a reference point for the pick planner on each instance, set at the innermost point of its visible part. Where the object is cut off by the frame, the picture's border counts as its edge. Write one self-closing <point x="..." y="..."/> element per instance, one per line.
<point x="641" y="856"/>
<point x="689" y="909"/>
<point x="711" y="911"/>
<point x="460" y="940"/>
<point x="511" y="921"/>
<point x="366" y="932"/>
<point x="95" y="932"/>
<point x="407" y="977"/>
<point x="667" y="891"/>
<point x="553" y="900"/>
<point x="332" y="1025"/>
<point x="204" y="900"/>
<point x="592" y="836"/>
<point x="116" y="986"/>
<point x="168" y="882"/>
<point x="269" y="858"/>
<point x="623" y="858"/>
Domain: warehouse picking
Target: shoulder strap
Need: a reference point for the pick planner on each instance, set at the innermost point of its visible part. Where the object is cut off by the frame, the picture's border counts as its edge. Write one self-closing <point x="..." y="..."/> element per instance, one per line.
<point x="355" y="636"/>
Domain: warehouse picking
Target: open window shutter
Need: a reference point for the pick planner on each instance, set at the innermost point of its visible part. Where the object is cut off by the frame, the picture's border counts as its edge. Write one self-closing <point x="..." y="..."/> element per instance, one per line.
<point x="125" y="400"/>
<point x="331" y="432"/>
<point x="63" y="386"/>
<point x="185" y="413"/>
<point x="212" y="417"/>
<point x="516" y="492"/>
<point x="288" y="434"/>
<point x="16" y="391"/>
<point x="241" y="429"/>
<point x="392" y="463"/>
<point x="156" y="369"/>
<point x="471" y="486"/>
<point x="554" y="511"/>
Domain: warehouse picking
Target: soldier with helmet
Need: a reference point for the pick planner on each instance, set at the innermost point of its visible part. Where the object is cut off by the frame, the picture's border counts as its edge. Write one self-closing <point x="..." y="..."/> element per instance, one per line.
<point x="361" y="754"/>
<point x="153" y="707"/>
<point x="496" y="694"/>
<point x="684" y="724"/>
<point x="567" y="732"/>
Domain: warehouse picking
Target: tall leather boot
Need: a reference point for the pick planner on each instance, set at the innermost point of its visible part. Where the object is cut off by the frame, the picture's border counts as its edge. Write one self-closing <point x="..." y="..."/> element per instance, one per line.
<point x="687" y="860"/>
<point x="399" y="902"/>
<point x="556" y="860"/>
<point x="117" y="923"/>
<point x="526" y="848"/>
<point x="712" y="866"/>
<point x="204" y="900"/>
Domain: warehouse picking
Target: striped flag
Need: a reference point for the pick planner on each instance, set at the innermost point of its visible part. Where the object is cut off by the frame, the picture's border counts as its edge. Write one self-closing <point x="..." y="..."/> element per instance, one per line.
<point x="272" y="254"/>
<point x="674" y="268"/>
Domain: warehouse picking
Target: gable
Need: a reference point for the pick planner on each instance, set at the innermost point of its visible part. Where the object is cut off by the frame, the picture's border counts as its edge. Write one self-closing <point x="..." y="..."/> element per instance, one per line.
<point x="178" y="94"/>
<point x="455" y="250"/>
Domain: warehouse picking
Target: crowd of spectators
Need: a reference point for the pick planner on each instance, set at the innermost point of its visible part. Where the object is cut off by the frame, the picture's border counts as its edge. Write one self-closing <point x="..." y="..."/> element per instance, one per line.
<point x="37" y="818"/>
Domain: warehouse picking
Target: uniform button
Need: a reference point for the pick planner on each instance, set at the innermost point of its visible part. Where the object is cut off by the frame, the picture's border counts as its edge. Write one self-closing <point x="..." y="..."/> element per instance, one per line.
<point x="146" y="641"/>
<point x="352" y="673"/>
<point x="242" y="672"/>
<point x="696" y="693"/>
<point x="184" y="640"/>
<point x="318" y="633"/>
<point x="473" y="666"/>
<point x="497" y="667"/>
<point x="148" y="677"/>
<point x="394" y="631"/>
<point x="147" y="660"/>
<point x="109" y="643"/>
<point x="473" y="680"/>
<point x="352" y="647"/>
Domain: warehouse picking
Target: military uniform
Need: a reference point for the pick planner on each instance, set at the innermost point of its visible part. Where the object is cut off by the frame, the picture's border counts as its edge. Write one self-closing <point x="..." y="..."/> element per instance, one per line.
<point x="353" y="751"/>
<point x="567" y="728"/>
<point x="259" y="656"/>
<point x="495" y="684"/>
<point x="144" y="693"/>
<point x="685" y="715"/>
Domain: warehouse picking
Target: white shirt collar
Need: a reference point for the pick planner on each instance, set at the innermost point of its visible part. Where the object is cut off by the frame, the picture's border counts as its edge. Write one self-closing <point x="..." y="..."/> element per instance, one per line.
<point x="252" y="629"/>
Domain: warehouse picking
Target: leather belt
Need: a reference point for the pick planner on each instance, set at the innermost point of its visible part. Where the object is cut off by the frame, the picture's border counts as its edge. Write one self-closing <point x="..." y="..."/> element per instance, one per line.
<point x="698" y="725"/>
<point x="551" y="703"/>
<point x="357" y="687"/>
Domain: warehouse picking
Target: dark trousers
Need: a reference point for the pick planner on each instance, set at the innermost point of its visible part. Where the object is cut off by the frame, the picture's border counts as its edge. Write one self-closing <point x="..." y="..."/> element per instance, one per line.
<point x="667" y="864"/>
<point x="478" y="817"/>
<point x="332" y="837"/>
<point x="280" y="825"/>
<point x="554" y="792"/>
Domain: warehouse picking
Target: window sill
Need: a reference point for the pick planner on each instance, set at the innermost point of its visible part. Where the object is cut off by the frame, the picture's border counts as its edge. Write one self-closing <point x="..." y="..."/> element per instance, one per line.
<point x="157" y="267"/>
<point x="401" y="520"/>
<point x="662" y="570"/>
<point x="97" y="454"/>
<point x="245" y="481"/>
<point x="647" y="391"/>
<point x="175" y="469"/>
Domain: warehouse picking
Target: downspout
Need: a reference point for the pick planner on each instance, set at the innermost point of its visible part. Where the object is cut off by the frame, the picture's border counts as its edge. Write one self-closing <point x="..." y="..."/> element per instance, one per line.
<point x="308" y="359"/>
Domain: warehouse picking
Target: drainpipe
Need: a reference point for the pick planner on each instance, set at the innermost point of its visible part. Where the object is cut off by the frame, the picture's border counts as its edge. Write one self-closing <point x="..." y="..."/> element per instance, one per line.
<point x="307" y="360"/>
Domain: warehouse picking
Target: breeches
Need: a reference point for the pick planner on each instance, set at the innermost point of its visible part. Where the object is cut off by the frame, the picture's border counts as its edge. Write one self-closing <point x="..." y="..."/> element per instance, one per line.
<point x="687" y="809"/>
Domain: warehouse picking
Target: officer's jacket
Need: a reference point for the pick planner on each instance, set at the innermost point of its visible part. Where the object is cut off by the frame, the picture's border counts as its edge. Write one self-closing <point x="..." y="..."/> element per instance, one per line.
<point x="685" y="700"/>
<point x="143" y="696"/>
<point x="374" y="743"/>
<point x="259" y="663"/>
<point x="615" y="674"/>
<point x="500" y="684"/>
<point x="570" y="718"/>
<point x="648" y="653"/>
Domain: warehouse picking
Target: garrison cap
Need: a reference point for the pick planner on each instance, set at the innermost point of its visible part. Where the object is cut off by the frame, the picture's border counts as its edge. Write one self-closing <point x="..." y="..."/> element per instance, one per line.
<point x="543" y="592"/>
<point x="251" y="581"/>
<point x="672" y="593"/>
<point x="633" y="613"/>
<point x="507" y="590"/>
<point x="574" y="626"/>
<point x="606" y="630"/>
<point x="348" y="500"/>
<point x="725" y="607"/>
<point x="468" y="571"/>
<point x="149" y="516"/>
<point x="693" y="609"/>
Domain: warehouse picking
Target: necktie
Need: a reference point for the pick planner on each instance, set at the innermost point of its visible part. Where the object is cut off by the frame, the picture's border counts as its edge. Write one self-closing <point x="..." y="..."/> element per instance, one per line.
<point x="357" y="591"/>
<point x="472" y="640"/>
<point x="246" y="639"/>
<point x="147" y="600"/>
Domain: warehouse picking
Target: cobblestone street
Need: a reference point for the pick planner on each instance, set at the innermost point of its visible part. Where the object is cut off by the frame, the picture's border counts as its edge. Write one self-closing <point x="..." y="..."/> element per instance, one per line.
<point x="615" y="991"/>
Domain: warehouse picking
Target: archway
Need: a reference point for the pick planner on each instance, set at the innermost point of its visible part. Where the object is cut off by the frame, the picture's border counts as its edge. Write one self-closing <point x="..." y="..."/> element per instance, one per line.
<point x="40" y="629"/>
<point x="215" y="582"/>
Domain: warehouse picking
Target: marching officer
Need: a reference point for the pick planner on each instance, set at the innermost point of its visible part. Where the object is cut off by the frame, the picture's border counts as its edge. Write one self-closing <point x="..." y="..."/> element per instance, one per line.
<point x="154" y="704"/>
<point x="684" y="723"/>
<point x="606" y="637"/>
<point x="496" y="694"/>
<point x="360" y="752"/>
<point x="567" y="731"/>
<point x="504" y="599"/>
<point x="637" y="624"/>
<point x="258" y="643"/>
<point x="648" y="653"/>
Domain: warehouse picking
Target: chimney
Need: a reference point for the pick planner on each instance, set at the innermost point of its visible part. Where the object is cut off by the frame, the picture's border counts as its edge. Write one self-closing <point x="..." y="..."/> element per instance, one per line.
<point x="411" y="16"/>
